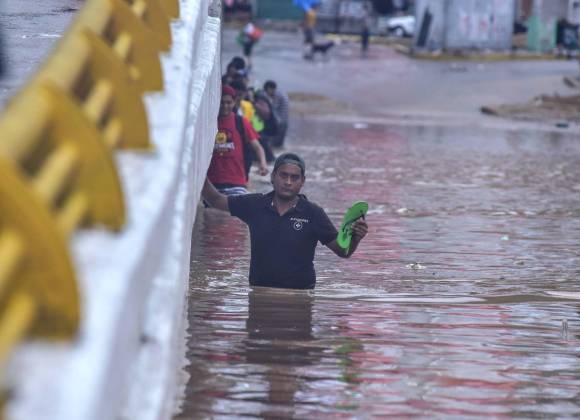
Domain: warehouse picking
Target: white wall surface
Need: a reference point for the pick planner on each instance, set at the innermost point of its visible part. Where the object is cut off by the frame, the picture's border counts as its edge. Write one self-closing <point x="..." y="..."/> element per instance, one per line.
<point x="133" y="284"/>
<point x="466" y="24"/>
<point x="435" y="29"/>
<point x="479" y="24"/>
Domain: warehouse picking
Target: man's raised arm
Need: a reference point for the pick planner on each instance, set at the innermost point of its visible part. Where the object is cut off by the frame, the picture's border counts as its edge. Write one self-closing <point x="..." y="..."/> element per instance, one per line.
<point x="359" y="231"/>
<point x="214" y="198"/>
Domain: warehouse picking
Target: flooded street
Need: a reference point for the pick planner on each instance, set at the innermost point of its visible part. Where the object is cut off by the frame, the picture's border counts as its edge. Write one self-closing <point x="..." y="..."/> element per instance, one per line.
<point x="462" y="300"/>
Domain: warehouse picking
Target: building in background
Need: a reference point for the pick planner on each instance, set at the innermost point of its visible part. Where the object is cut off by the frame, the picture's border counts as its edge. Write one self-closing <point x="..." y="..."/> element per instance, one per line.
<point x="342" y="16"/>
<point x="543" y="18"/>
<point x="339" y="16"/>
<point x="464" y="25"/>
<point x="348" y="16"/>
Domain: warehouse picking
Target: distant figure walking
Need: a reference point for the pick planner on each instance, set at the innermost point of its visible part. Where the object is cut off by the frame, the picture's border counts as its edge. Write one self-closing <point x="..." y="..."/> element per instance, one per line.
<point x="265" y="110"/>
<point x="280" y="106"/>
<point x="248" y="38"/>
<point x="366" y="30"/>
<point x="308" y="26"/>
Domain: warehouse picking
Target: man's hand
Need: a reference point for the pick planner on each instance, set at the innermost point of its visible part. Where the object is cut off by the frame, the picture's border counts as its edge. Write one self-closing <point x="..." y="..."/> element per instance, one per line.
<point x="359" y="230"/>
<point x="214" y="197"/>
<point x="263" y="170"/>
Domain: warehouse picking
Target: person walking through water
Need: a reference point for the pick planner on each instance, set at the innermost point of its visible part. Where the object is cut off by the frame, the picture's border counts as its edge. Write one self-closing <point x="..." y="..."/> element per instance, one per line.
<point x="285" y="227"/>
<point x="280" y="106"/>
<point x="245" y="108"/>
<point x="366" y="30"/>
<point x="308" y="26"/>
<point x="248" y="37"/>
<point x="265" y="111"/>
<point x="227" y="169"/>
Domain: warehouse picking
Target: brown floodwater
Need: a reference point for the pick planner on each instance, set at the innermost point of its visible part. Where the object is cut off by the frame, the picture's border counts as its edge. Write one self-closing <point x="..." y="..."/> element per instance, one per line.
<point x="462" y="301"/>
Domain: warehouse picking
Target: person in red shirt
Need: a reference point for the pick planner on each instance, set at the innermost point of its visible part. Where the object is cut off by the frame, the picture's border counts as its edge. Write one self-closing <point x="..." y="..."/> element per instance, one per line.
<point x="226" y="170"/>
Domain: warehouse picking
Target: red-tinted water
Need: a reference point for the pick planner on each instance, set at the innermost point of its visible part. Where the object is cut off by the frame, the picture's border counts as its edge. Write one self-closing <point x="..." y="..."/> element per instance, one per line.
<point x="463" y="299"/>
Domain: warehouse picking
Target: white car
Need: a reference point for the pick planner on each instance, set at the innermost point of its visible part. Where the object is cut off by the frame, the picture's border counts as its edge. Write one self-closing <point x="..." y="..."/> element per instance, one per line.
<point x="399" y="26"/>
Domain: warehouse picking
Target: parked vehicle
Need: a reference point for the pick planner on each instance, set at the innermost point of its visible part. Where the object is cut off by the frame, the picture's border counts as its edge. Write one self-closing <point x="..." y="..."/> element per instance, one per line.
<point x="399" y="26"/>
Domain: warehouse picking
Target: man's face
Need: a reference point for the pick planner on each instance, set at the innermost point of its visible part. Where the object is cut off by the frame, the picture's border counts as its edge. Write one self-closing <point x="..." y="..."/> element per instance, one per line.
<point x="287" y="181"/>
<point x="271" y="92"/>
<point x="226" y="105"/>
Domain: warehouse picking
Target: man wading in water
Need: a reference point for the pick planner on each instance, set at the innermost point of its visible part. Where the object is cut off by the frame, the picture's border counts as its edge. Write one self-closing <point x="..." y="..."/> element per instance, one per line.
<point x="284" y="227"/>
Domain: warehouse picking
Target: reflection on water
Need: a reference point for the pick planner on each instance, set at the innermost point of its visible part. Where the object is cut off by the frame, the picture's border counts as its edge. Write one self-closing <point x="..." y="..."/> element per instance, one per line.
<point x="462" y="301"/>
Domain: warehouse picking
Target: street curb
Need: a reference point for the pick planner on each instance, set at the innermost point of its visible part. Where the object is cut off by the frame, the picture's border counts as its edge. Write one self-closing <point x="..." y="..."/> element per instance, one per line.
<point x="378" y="40"/>
<point x="507" y="56"/>
<point x="458" y="56"/>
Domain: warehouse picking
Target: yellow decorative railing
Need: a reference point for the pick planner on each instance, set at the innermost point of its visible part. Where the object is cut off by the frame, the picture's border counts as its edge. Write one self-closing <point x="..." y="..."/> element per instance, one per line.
<point x="56" y="164"/>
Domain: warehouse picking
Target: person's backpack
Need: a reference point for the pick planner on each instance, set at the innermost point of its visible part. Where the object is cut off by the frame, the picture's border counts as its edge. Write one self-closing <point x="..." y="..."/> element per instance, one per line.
<point x="248" y="151"/>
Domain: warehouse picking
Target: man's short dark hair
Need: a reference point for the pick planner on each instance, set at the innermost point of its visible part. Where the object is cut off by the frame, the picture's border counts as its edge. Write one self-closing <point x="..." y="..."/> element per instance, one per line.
<point x="238" y="62"/>
<point x="291" y="158"/>
<point x="270" y="84"/>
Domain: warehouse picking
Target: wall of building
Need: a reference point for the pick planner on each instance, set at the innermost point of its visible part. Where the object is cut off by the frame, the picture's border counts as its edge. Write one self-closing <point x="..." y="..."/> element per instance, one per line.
<point x="464" y="24"/>
<point x="278" y="9"/>
<point x="542" y="23"/>
<point x="430" y="24"/>
<point x="574" y="11"/>
<point x="477" y="24"/>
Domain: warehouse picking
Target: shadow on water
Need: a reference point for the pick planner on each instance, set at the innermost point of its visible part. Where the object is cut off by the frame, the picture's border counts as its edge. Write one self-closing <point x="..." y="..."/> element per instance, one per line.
<point x="462" y="301"/>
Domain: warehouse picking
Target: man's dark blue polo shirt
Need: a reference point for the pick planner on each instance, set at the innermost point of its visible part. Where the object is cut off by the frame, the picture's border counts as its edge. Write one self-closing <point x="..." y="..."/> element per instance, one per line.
<point x="282" y="246"/>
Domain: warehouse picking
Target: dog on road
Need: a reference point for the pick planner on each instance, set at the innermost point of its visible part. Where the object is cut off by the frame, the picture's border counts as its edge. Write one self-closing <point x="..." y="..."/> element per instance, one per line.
<point x="321" y="48"/>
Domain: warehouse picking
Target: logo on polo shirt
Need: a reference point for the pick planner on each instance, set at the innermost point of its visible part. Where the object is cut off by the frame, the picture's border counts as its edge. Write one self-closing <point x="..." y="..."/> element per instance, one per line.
<point x="297" y="223"/>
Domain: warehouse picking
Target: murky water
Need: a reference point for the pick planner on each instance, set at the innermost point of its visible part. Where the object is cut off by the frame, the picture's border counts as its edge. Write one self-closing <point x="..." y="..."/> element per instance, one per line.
<point x="462" y="301"/>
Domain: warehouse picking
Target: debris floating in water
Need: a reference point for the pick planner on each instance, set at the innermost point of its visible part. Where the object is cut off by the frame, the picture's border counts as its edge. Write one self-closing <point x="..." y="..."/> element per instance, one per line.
<point x="415" y="266"/>
<point x="505" y="238"/>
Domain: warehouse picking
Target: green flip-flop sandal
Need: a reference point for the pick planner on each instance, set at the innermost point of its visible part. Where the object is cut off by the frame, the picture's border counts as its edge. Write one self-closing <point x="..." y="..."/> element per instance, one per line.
<point x="355" y="212"/>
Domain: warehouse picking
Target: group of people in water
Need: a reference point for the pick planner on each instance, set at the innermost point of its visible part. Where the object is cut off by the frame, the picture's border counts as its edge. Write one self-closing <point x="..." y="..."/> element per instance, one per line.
<point x="251" y="124"/>
<point x="285" y="227"/>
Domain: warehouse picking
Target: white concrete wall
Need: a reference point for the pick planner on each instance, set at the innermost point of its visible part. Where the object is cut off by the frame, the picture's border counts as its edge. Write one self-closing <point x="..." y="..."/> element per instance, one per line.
<point x="465" y="24"/>
<point x="473" y="24"/>
<point x="542" y="24"/>
<point x="434" y="29"/>
<point x="125" y="361"/>
<point x="574" y="11"/>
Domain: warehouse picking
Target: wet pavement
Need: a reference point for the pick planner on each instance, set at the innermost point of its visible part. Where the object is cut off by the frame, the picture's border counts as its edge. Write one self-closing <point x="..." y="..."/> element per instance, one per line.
<point x="28" y="31"/>
<point x="391" y="84"/>
<point x="462" y="301"/>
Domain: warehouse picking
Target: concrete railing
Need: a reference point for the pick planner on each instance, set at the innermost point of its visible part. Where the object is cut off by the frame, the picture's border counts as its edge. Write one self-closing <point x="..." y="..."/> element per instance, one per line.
<point x="99" y="189"/>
